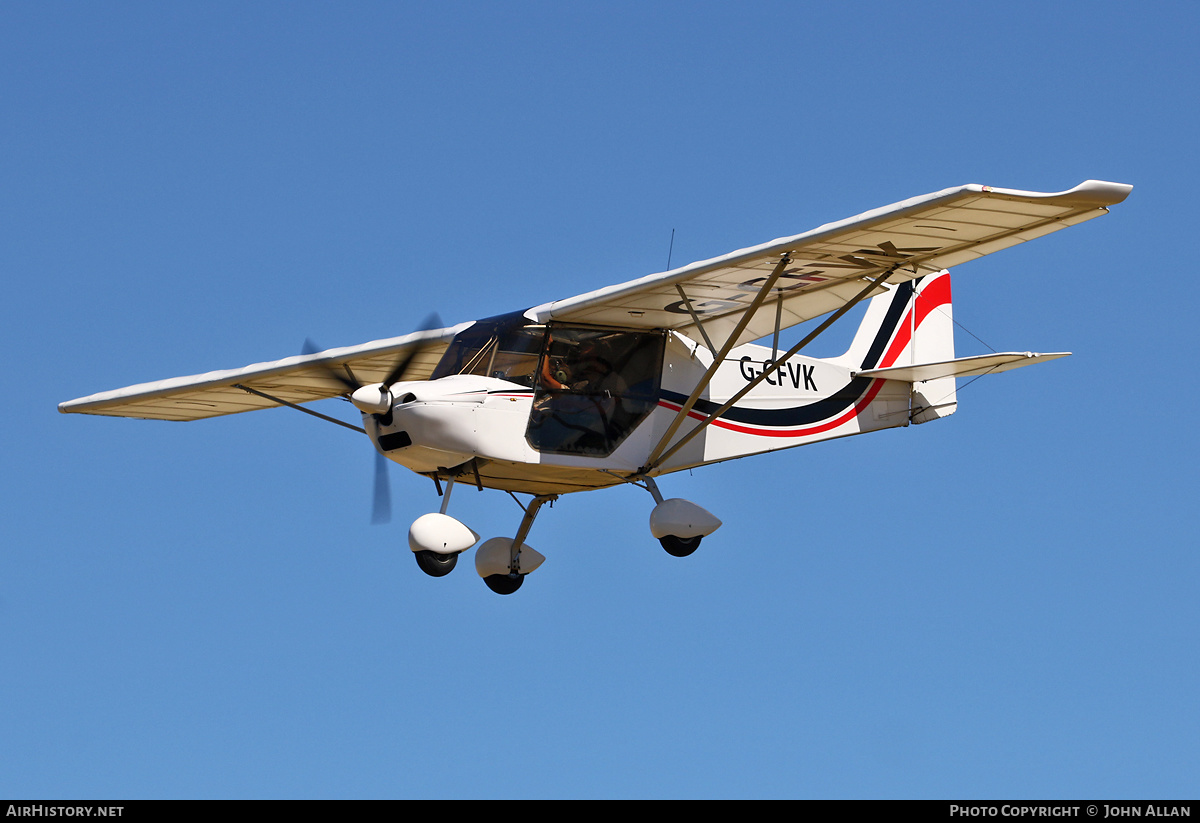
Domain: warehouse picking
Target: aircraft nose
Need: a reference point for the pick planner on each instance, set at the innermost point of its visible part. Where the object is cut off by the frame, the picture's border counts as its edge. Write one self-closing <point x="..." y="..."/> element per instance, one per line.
<point x="373" y="398"/>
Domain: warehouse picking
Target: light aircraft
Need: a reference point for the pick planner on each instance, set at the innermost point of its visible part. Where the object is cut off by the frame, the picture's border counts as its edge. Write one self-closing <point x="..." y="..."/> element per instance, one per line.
<point x="631" y="382"/>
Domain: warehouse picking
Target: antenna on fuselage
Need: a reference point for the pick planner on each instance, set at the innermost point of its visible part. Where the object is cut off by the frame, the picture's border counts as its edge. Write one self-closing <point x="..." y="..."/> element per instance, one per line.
<point x="670" y="249"/>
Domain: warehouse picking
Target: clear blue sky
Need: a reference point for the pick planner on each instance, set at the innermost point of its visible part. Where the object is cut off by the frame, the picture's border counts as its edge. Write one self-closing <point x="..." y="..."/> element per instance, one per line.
<point x="1001" y="604"/>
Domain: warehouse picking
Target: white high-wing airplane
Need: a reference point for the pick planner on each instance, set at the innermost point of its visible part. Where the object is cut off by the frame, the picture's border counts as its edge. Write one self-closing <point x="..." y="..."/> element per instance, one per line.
<point x="641" y="379"/>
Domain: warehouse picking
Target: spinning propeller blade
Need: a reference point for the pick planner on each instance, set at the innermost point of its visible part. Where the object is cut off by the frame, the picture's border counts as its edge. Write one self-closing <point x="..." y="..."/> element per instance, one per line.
<point x="333" y="374"/>
<point x="381" y="506"/>
<point x="349" y="382"/>
<point x="397" y="372"/>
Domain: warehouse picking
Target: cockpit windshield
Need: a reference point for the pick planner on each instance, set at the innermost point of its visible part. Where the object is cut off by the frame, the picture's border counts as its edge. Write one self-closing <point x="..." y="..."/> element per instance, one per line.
<point x="505" y="347"/>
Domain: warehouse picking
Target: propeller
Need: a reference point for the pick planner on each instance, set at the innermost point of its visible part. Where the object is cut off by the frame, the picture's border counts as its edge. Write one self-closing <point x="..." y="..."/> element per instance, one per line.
<point x="381" y="503"/>
<point x="376" y="399"/>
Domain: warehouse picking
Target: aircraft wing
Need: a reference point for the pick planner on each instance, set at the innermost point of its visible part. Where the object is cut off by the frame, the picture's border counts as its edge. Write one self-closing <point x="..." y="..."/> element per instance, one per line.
<point x="828" y="264"/>
<point x="299" y="379"/>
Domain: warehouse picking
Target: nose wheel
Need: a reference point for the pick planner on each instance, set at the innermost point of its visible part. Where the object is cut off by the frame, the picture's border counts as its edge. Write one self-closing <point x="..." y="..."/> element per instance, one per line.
<point x="434" y="564"/>
<point x="437" y="539"/>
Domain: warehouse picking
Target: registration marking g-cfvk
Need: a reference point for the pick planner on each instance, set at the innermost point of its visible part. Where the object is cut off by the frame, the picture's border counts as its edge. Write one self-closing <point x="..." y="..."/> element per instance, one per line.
<point x="794" y="372"/>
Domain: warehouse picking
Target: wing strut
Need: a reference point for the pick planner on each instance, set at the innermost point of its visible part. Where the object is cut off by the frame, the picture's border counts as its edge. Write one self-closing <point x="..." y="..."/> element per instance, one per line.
<point x="249" y="390"/>
<point x="657" y="459"/>
<point x="687" y="302"/>
<point x="718" y="358"/>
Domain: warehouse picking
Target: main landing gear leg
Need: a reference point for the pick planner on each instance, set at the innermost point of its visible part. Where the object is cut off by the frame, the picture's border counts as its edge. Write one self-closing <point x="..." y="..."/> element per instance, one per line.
<point x="510" y="582"/>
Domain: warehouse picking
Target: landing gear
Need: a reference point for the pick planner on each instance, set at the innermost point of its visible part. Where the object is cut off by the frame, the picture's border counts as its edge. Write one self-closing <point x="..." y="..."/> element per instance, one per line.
<point x="503" y="562"/>
<point x="680" y="546"/>
<point x="434" y="564"/>
<point x="504" y="583"/>
<point x="679" y="524"/>
<point x="436" y="540"/>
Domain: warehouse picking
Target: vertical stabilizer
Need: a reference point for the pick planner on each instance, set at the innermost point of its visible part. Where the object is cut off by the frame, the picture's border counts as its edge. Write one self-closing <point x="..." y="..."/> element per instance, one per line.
<point x="912" y="323"/>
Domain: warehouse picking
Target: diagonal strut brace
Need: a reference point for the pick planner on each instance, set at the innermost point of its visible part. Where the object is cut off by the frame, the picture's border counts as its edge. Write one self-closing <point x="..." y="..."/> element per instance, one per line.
<point x="514" y="551"/>
<point x="687" y="302"/>
<point x="719" y="358"/>
<point x="654" y="462"/>
<point x="292" y="405"/>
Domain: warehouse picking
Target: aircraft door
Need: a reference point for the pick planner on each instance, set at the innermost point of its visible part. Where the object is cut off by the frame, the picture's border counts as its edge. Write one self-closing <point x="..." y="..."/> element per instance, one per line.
<point x="593" y="387"/>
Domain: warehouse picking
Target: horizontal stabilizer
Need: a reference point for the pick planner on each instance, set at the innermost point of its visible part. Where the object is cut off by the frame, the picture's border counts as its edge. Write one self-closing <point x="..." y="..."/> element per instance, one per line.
<point x="962" y="366"/>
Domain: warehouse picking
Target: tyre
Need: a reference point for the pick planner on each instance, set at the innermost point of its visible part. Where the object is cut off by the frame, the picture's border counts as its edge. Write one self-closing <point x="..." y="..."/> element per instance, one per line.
<point x="434" y="564"/>
<point x="680" y="546"/>
<point x="504" y="583"/>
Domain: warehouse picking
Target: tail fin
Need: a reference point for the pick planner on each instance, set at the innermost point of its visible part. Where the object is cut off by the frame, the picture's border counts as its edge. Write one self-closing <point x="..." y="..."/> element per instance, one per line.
<point x="913" y="323"/>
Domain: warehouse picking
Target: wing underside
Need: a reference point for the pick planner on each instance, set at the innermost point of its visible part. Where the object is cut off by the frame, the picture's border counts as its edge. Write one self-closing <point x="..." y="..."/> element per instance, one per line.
<point x="299" y="379"/>
<point x="828" y="266"/>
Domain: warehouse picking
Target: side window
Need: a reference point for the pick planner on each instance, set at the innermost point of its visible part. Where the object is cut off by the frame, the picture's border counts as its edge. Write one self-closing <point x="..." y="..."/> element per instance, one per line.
<point x="516" y="355"/>
<point x="593" y="387"/>
<point x="468" y="349"/>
